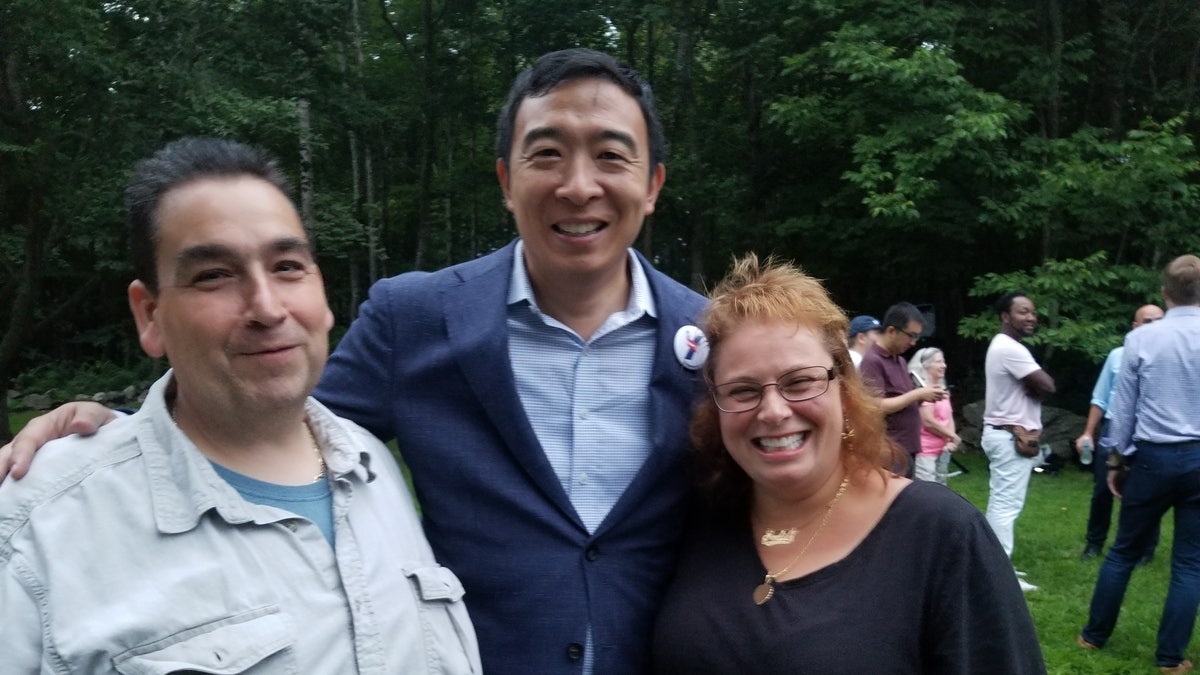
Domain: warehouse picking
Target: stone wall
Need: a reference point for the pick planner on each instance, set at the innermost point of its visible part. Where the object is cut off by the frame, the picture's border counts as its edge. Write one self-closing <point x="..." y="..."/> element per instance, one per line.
<point x="131" y="396"/>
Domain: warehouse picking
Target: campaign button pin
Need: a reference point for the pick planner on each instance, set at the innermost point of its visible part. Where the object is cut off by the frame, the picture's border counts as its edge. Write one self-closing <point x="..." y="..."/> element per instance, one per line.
<point x="691" y="347"/>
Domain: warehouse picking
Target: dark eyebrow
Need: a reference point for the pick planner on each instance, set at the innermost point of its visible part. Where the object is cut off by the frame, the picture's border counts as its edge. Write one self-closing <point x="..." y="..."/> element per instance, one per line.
<point x="538" y="133"/>
<point x="202" y="253"/>
<point x="292" y="245"/>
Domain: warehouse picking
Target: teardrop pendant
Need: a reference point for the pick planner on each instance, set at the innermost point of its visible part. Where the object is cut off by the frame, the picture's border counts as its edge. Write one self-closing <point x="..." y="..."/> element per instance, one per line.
<point x="763" y="592"/>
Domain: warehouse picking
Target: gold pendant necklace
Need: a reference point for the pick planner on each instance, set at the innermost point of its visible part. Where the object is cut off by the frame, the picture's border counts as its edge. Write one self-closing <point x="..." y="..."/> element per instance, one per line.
<point x="778" y="537"/>
<point x="764" y="591"/>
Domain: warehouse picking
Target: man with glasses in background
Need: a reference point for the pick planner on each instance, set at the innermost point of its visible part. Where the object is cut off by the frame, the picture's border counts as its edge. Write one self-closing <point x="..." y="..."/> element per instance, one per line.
<point x="884" y="370"/>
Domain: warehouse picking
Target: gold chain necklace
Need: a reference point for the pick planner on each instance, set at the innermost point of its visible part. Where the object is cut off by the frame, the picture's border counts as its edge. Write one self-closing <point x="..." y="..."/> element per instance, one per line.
<point x="308" y="427"/>
<point x="764" y="591"/>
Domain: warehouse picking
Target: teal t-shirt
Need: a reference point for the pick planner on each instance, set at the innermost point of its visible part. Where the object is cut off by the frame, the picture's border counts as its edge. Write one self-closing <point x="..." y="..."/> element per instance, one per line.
<point x="313" y="502"/>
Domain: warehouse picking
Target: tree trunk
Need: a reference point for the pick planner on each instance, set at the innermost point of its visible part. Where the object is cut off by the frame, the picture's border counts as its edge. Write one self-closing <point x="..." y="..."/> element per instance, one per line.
<point x="372" y="223"/>
<point x="306" y="163"/>
<point x="428" y="133"/>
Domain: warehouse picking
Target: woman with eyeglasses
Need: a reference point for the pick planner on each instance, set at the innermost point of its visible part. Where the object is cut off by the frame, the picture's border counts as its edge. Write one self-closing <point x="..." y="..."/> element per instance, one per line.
<point x="804" y="552"/>
<point x="939" y="437"/>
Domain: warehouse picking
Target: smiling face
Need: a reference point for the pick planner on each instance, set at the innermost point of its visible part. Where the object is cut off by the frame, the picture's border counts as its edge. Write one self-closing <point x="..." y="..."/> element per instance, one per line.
<point x="936" y="368"/>
<point x="1021" y="318"/>
<point x="785" y="448"/>
<point x="241" y="312"/>
<point x="579" y="181"/>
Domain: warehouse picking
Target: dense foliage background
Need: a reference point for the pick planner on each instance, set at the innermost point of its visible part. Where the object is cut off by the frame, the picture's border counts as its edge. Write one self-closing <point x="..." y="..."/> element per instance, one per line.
<point x="929" y="151"/>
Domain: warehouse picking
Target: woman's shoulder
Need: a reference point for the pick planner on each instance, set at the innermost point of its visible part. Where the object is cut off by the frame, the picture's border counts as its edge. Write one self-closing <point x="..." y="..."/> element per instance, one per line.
<point x="930" y="503"/>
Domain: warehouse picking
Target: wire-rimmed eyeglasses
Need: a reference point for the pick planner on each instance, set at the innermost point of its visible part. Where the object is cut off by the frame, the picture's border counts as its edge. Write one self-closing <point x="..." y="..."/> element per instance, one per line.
<point x="796" y="385"/>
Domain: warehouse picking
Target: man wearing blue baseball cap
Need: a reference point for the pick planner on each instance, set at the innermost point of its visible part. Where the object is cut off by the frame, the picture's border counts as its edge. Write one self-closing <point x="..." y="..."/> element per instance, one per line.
<point x="863" y="331"/>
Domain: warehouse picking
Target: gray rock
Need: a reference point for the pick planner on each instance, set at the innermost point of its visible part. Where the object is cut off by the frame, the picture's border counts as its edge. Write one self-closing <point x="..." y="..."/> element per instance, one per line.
<point x="37" y="402"/>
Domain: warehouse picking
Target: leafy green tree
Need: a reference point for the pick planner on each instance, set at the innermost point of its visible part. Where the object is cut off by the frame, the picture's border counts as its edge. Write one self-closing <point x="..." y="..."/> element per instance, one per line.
<point x="1085" y="304"/>
<point x="87" y="89"/>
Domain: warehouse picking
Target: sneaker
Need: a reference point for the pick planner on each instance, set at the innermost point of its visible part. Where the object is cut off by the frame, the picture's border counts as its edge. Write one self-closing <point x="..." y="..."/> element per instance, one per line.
<point x="1085" y="644"/>
<point x="1184" y="667"/>
<point x="1090" y="551"/>
<point x="1019" y="573"/>
<point x="1026" y="587"/>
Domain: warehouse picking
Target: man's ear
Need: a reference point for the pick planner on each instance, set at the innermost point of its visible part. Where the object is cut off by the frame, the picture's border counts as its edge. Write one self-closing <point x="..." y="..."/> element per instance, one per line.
<point x="502" y="176"/>
<point x="657" y="178"/>
<point x="144" y="306"/>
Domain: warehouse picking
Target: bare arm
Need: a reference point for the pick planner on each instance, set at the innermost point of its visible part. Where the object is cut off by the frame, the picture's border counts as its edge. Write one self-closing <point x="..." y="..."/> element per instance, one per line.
<point x="70" y="418"/>
<point x="898" y="403"/>
<point x="932" y="424"/>
<point x="1038" y="385"/>
<point x="1095" y="414"/>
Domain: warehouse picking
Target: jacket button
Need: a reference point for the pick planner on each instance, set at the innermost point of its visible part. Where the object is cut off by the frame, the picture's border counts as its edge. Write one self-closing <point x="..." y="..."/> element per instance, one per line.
<point x="592" y="553"/>
<point x="574" y="651"/>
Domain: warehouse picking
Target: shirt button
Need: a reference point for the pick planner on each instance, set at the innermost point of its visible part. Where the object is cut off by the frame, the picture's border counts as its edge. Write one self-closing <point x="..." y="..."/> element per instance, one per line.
<point x="583" y="415"/>
<point x="583" y="479"/>
<point x="574" y="651"/>
<point x="592" y="553"/>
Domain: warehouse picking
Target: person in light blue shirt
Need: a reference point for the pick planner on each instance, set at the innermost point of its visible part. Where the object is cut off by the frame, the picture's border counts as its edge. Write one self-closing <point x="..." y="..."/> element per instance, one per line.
<point x="1100" y="511"/>
<point x="1155" y="466"/>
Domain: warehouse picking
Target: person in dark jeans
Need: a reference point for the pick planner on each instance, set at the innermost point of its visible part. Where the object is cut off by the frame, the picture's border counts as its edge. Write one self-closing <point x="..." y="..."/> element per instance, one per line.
<point x="1100" y="512"/>
<point x="1155" y="467"/>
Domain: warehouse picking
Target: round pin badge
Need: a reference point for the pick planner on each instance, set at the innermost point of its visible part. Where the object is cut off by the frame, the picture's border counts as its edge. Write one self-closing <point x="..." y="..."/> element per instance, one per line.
<point x="691" y="347"/>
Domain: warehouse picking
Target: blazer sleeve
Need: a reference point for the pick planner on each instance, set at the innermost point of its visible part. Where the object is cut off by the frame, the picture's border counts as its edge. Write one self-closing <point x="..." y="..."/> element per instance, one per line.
<point x="358" y="381"/>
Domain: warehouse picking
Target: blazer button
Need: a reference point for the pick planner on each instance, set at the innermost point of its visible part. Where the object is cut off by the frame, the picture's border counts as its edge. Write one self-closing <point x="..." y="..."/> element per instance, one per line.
<point x="574" y="651"/>
<point x="592" y="553"/>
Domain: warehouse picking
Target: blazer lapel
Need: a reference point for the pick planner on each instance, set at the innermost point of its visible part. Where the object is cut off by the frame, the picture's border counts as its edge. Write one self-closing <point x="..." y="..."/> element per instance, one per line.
<point x="476" y="322"/>
<point x="674" y="391"/>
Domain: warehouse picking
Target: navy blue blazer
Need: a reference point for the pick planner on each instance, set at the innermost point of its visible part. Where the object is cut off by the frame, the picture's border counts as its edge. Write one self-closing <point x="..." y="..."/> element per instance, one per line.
<point x="426" y="362"/>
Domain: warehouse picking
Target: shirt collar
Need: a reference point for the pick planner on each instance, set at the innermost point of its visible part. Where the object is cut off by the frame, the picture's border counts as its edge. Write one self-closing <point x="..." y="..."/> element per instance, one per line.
<point x="184" y="485"/>
<point x="885" y="353"/>
<point x="641" y="299"/>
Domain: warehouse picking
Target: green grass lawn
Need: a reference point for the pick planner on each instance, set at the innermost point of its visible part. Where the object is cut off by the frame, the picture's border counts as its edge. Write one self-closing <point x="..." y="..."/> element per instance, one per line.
<point x="17" y="420"/>
<point x="1049" y="538"/>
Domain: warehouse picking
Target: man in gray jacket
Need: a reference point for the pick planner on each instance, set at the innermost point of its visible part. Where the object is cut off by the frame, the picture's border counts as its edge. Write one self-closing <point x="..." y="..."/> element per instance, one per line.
<point x="233" y="524"/>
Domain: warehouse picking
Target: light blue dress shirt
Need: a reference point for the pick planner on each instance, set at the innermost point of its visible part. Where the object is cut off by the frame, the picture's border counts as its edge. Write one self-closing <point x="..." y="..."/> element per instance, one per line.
<point x="1102" y="393"/>
<point x="1158" y="389"/>
<point x="588" y="401"/>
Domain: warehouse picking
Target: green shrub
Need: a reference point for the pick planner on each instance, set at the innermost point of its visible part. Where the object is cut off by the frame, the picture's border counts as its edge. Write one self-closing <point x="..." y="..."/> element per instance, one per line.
<point x="62" y="381"/>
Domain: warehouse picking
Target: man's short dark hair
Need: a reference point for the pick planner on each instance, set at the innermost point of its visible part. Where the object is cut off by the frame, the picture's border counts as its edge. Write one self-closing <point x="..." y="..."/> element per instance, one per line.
<point x="551" y="70"/>
<point x="1181" y="280"/>
<point x="178" y="163"/>
<point x="1004" y="302"/>
<point x="900" y="314"/>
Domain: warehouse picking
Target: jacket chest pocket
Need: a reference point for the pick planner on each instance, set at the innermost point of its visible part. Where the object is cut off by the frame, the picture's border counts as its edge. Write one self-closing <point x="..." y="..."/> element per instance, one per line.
<point x="256" y="641"/>
<point x="450" y="637"/>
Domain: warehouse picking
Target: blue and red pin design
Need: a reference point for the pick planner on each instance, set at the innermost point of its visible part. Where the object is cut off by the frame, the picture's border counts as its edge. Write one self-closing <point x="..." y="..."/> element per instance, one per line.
<point x="691" y="347"/>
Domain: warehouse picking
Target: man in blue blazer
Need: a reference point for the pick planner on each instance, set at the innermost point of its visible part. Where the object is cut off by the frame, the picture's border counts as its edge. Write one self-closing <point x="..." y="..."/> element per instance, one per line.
<point x="540" y="395"/>
<point x="512" y="384"/>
